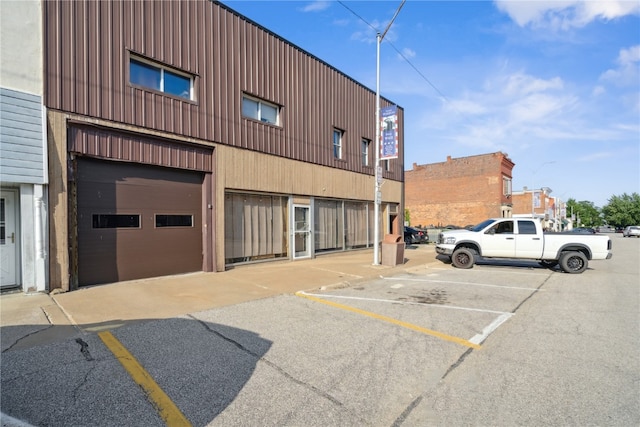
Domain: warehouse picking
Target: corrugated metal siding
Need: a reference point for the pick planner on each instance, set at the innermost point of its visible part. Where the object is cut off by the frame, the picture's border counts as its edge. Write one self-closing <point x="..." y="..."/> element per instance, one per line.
<point x="86" y="61"/>
<point x="21" y="138"/>
<point x="107" y="144"/>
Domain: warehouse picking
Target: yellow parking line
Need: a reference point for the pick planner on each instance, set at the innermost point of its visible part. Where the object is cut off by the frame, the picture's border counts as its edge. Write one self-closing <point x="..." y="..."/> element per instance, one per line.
<point x="168" y="411"/>
<point x="411" y="326"/>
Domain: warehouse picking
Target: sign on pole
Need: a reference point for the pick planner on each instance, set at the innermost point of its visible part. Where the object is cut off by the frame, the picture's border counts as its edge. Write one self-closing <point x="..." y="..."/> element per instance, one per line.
<point x="388" y="133"/>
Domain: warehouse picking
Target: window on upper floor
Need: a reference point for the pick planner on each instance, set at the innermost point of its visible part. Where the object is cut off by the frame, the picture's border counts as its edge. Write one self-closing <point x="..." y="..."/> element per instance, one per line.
<point x="161" y="78"/>
<point x="506" y="186"/>
<point x="337" y="143"/>
<point x="257" y="109"/>
<point x="365" y="146"/>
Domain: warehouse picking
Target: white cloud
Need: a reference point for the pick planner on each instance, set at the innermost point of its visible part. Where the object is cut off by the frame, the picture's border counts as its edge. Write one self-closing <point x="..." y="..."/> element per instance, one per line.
<point x="465" y="106"/>
<point x="565" y="14"/>
<point x="523" y="84"/>
<point x="512" y="110"/>
<point x="407" y="53"/>
<point x="595" y="156"/>
<point x="628" y="71"/>
<point x="316" y="6"/>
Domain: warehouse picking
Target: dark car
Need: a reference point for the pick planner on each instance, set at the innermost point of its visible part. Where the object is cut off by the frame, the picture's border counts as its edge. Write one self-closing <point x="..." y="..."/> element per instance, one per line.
<point x="415" y="236"/>
<point x="583" y="230"/>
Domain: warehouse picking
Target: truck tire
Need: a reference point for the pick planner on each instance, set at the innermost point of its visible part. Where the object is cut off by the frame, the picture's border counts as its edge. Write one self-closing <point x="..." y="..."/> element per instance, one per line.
<point x="573" y="262"/>
<point x="463" y="258"/>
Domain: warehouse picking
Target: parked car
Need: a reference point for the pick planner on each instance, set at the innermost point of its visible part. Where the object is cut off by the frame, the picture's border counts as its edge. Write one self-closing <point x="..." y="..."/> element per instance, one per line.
<point x="583" y="230"/>
<point x="522" y="238"/>
<point x="631" y="231"/>
<point x="451" y="227"/>
<point x="415" y="236"/>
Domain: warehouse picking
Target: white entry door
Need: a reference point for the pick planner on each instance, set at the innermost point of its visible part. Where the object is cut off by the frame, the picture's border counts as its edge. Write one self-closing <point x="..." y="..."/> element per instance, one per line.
<point x="8" y="239"/>
<point x="301" y="232"/>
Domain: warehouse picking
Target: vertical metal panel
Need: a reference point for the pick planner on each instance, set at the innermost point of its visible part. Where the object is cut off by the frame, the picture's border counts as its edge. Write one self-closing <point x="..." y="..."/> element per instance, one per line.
<point x="105" y="143"/>
<point x="87" y="56"/>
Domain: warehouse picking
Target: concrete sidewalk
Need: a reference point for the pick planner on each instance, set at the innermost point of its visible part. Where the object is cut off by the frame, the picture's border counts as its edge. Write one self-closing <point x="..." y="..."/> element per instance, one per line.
<point x="28" y="319"/>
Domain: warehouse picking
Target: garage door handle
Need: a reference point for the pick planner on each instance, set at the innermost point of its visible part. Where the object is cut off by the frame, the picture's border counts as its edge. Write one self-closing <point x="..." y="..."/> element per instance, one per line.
<point x="509" y="238"/>
<point x="536" y="238"/>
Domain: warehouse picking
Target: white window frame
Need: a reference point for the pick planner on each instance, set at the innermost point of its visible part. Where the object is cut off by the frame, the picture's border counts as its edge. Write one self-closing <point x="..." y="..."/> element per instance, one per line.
<point x="365" y="150"/>
<point x="260" y="103"/>
<point x="338" y="135"/>
<point x="163" y="69"/>
<point x="506" y="186"/>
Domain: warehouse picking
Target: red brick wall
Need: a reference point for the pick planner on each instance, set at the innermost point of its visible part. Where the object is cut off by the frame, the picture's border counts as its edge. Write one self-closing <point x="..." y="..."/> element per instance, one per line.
<point x="459" y="191"/>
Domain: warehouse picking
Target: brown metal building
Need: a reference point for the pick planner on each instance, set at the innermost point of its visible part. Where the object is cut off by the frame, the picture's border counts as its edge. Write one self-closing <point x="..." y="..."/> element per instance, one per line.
<point x="184" y="137"/>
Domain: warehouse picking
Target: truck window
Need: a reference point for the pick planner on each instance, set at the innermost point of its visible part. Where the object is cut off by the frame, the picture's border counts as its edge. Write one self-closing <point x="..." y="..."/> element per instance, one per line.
<point x="505" y="227"/>
<point x="526" y="227"/>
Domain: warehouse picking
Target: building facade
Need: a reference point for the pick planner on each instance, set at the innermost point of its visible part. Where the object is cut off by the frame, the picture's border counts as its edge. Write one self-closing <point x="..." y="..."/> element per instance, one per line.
<point x="460" y="191"/>
<point x="185" y="137"/>
<point x="551" y="211"/>
<point x="23" y="150"/>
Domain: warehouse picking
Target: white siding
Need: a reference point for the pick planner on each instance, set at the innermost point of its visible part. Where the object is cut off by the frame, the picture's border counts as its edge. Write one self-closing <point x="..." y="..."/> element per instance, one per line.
<point x="21" y="138"/>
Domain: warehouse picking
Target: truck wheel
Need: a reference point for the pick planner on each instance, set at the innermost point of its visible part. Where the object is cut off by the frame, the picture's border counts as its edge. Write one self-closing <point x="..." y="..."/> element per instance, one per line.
<point x="573" y="262"/>
<point x="463" y="258"/>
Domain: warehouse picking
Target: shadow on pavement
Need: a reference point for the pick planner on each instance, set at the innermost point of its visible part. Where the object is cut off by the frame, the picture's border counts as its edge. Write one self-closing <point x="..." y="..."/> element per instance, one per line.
<point x="78" y="380"/>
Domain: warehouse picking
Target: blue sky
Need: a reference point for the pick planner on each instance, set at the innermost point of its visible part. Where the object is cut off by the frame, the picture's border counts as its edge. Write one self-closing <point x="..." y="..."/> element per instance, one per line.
<point x="554" y="84"/>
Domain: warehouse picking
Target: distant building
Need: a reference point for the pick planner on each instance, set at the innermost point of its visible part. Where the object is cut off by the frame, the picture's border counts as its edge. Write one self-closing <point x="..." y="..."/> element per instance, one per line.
<point x="459" y="191"/>
<point x="538" y="203"/>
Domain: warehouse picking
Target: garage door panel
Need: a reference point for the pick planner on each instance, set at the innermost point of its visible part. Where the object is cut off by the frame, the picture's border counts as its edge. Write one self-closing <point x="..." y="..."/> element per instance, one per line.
<point x="130" y="196"/>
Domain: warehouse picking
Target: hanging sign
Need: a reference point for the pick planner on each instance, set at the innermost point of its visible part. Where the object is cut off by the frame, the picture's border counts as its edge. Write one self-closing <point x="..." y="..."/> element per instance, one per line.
<point x="389" y="133"/>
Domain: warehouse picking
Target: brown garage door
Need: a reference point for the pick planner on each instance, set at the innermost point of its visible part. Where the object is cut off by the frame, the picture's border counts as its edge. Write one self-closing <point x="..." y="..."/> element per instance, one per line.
<point x="137" y="221"/>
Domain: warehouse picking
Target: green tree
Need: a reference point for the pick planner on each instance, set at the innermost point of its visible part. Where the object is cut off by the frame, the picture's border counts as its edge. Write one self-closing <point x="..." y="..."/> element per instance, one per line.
<point x="407" y="216"/>
<point x="622" y="210"/>
<point x="584" y="212"/>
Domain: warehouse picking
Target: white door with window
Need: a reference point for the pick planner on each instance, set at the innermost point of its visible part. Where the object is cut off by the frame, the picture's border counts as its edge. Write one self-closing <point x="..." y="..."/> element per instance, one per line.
<point x="301" y="232"/>
<point x="8" y="239"/>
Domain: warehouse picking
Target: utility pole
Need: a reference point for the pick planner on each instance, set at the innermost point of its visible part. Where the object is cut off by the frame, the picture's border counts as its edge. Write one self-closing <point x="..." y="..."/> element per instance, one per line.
<point x="377" y="197"/>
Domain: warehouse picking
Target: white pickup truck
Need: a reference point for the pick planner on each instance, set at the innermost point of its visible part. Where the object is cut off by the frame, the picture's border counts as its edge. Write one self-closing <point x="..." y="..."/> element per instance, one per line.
<point x="522" y="238"/>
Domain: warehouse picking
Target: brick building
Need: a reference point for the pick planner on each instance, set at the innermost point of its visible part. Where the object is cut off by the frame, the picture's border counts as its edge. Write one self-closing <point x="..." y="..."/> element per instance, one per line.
<point x="459" y="191"/>
<point x="538" y="203"/>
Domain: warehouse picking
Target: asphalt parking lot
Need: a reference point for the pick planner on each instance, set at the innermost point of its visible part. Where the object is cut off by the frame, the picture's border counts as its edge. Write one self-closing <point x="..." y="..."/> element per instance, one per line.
<point x="500" y="344"/>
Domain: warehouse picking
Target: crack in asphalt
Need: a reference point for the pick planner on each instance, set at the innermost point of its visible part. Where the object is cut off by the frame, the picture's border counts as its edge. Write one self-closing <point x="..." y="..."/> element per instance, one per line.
<point x="84" y="349"/>
<point x="403" y="416"/>
<point x="269" y="363"/>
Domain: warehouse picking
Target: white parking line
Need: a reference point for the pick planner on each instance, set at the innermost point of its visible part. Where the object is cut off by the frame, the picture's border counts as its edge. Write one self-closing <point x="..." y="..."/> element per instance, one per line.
<point x="409" y="303"/>
<point x="461" y="283"/>
<point x="479" y="338"/>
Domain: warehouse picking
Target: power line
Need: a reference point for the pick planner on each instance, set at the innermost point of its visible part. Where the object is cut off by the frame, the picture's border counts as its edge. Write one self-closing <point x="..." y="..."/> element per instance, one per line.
<point x="399" y="53"/>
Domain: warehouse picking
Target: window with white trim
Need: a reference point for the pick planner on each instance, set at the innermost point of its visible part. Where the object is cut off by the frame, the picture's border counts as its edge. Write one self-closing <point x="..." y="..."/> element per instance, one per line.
<point x="161" y="78"/>
<point x="506" y="186"/>
<point x="337" y="143"/>
<point x="366" y="144"/>
<point x="260" y="110"/>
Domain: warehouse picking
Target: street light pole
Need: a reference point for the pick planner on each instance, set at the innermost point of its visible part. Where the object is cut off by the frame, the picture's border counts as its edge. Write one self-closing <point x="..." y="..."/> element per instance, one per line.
<point x="377" y="196"/>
